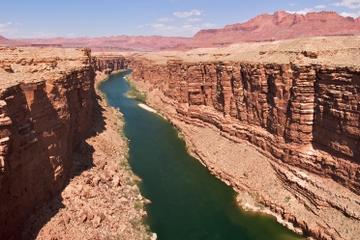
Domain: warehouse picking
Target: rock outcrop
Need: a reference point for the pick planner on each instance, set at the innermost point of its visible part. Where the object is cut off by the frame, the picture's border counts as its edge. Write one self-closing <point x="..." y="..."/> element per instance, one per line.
<point x="296" y="101"/>
<point x="46" y="103"/>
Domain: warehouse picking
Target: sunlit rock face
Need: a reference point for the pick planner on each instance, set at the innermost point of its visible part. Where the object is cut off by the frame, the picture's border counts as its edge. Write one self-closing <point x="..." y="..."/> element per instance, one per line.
<point x="297" y="101"/>
<point x="293" y="112"/>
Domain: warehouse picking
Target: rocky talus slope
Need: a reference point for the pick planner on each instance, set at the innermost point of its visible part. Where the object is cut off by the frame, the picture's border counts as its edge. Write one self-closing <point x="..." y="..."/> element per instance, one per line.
<point x="296" y="102"/>
<point x="55" y="134"/>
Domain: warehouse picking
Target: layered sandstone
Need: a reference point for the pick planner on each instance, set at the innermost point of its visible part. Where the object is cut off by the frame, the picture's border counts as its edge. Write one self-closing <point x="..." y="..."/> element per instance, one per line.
<point x="296" y="101"/>
<point x="108" y="62"/>
<point x="47" y="98"/>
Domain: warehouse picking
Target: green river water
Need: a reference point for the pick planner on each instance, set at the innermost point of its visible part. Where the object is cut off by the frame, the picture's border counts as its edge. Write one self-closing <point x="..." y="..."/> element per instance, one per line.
<point x="187" y="202"/>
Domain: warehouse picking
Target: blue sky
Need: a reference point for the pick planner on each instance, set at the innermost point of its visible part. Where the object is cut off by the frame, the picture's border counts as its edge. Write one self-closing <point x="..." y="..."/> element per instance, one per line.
<point x="73" y="18"/>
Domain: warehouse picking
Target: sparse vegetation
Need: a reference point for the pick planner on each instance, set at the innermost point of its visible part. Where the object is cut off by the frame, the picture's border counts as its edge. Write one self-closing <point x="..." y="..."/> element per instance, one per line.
<point x="134" y="93"/>
<point x="136" y="223"/>
<point x="138" y="205"/>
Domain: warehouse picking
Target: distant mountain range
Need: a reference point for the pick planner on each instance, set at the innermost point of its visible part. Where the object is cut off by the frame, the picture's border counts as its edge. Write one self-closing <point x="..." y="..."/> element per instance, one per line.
<point x="280" y="25"/>
<point x="265" y="27"/>
<point x="4" y="40"/>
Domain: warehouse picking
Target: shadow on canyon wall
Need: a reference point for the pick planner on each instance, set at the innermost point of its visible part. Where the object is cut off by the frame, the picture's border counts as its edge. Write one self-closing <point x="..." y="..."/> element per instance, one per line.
<point x="81" y="160"/>
<point x="31" y="179"/>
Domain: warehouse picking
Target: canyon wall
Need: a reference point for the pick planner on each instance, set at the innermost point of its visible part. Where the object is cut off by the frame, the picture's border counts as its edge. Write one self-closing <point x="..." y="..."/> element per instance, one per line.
<point x="306" y="116"/>
<point x="108" y="63"/>
<point x="46" y="105"/>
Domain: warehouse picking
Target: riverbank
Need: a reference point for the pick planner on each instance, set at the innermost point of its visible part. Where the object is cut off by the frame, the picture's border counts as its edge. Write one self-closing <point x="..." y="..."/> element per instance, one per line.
<point x="187" y="202"/>
<point x="298" y="199"/>
<point x="102" y="200"/>
<point x="200" y="136"/>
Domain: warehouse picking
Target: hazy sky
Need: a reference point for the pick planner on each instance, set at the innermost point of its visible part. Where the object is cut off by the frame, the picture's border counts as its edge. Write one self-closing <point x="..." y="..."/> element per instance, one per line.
<point x="70" y="18"/>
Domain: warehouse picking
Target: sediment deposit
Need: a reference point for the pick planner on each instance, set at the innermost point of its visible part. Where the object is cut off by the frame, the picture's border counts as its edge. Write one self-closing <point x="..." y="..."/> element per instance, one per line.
<point x="296" y="102"/>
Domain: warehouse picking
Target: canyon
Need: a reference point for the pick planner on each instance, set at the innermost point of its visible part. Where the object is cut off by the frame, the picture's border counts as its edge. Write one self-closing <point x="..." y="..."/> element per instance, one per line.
<point x="296" y="102"/>
<point x="278" y="121"/>
<point x="265" y="27"/>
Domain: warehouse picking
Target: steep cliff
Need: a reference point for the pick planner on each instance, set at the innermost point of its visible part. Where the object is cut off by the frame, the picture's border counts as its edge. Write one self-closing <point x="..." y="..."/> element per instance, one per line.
<point x="296" y="101"/>
<point x="46" y="103"/>
<point x="108" y="62"/>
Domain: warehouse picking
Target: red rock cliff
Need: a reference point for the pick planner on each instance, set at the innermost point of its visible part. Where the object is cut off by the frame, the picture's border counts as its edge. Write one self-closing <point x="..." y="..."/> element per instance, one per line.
<point x="108" y="62"/>
<point x="46" y="103"/>
<point x="296" y="105"/>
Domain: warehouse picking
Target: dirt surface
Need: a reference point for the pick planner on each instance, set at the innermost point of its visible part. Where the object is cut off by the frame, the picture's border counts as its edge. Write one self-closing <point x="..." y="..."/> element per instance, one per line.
<point x="102" y="200"/>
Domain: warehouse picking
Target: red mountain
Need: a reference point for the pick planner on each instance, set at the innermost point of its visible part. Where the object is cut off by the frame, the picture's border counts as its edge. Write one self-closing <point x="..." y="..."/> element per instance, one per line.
<point x="280" y="25"/>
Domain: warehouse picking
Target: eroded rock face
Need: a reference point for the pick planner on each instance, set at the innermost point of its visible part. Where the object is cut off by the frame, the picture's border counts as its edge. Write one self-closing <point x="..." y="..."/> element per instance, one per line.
<point x="108" y="63"/>
<point x="46" y="104"/>
<point x="307" y="116"/>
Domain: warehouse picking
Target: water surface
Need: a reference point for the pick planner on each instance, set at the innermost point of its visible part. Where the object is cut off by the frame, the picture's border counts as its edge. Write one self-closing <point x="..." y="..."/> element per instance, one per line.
<point x="187" y="202"/>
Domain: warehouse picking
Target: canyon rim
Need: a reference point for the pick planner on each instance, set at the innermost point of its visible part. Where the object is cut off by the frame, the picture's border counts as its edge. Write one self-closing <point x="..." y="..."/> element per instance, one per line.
<point x="270" y="107"/>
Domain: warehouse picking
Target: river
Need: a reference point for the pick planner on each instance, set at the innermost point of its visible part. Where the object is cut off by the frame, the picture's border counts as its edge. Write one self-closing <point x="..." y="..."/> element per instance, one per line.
<point x="187" y="202"/>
